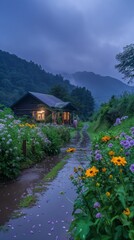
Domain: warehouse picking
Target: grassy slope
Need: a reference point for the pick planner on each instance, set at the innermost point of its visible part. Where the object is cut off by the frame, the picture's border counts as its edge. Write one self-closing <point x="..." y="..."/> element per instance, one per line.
<point x="123" y="127"/>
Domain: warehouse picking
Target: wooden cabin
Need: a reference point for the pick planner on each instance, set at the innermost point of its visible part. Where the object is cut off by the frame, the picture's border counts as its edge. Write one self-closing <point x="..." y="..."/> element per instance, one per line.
<point x="44" y="107"/>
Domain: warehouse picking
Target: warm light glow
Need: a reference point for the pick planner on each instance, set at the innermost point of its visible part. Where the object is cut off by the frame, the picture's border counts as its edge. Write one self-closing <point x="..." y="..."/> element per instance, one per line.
<point x="39" y="115"/>
<point x="66" y="116"/>
<point x="38" y="112"/>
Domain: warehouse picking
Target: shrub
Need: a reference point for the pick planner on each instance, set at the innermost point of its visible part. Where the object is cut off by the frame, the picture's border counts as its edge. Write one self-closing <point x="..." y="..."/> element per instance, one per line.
<point x="57" y="135"/>
<point x="40" y="141"/>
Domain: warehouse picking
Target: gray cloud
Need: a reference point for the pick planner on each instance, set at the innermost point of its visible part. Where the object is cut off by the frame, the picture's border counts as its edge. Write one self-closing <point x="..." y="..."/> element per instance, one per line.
<point x="66" y="35"/>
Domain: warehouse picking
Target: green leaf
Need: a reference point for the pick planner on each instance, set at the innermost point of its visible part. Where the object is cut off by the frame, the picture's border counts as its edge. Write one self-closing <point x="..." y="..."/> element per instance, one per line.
<point x="125" y="221"/>
<point x="80" y="227"/>
<point x="105" y="237"/>
<point x="118" y="232"/>
<point x="120" y="192"/>
<point x="131" y="234"/>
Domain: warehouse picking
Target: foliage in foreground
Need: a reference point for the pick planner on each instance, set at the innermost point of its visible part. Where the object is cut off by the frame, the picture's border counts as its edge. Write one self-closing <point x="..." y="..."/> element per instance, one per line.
<point x="104" y="208"/>
<point x="40" y="140"/>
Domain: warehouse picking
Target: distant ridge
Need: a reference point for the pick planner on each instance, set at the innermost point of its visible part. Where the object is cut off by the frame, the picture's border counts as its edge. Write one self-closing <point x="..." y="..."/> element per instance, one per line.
<point x="102" y="88"/>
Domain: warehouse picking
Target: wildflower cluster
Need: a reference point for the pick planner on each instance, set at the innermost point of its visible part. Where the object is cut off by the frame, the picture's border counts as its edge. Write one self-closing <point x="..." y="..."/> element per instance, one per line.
<point x="40" y="141"/>
<point x="27" y="125"/>
<point x="105" y="190"/>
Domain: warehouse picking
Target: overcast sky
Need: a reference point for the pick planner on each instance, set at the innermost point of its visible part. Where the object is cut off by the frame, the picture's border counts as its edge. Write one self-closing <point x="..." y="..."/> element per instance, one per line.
<point x="68" y="35"/>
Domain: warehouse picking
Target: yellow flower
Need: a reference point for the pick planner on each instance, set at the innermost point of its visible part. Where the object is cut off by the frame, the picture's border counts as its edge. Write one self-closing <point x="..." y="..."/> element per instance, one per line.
<point x="108" y="194"/>
<point x="91" y="172"/>
<point x="110" y="176"/>
<point x="104" y="169"/>
<point x="111" y="153"/>
<point x="126" y="212"/>
<point x="71" y="150"/>
<point x="120" y="161"/>
<point x="106" y="138"/>
<point x="21" y="125"/>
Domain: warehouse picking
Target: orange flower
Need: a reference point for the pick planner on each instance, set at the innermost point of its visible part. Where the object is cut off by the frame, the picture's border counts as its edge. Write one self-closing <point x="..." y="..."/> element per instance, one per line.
<point x="104" y="169"/>
<point x="111" y="153"/>
<point x="71" y="150"/>
<point x="120" y="161"/>
<point x="126" y="212"/>
<point x="91" y="172"/>
<point x="106" y="138"/>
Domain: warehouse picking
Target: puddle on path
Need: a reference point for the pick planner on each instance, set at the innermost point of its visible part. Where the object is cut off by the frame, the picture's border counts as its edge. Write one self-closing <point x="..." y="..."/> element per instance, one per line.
<point x="51" y="217"/>
<point x="11" y="193"/>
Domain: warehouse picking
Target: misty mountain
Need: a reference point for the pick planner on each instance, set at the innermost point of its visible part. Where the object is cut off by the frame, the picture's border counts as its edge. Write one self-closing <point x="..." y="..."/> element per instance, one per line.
<point x="102" y="88"/>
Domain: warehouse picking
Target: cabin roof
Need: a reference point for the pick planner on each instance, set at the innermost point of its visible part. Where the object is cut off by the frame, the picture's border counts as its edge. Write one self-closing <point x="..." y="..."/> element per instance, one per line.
<point x="49" y="100"/>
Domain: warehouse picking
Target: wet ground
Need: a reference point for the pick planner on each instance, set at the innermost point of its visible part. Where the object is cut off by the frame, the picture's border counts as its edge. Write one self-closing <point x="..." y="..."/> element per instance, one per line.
<point x="51" y="217"/>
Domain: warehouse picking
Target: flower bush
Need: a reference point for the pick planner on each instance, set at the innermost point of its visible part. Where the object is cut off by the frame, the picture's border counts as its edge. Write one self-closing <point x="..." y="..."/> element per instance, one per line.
<point x="40" y="141"/>
<point x="104" y="207"/>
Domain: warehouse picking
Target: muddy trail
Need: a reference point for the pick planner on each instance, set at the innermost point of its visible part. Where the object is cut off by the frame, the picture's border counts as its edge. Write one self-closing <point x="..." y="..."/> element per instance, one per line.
<point x="51" y="216"/>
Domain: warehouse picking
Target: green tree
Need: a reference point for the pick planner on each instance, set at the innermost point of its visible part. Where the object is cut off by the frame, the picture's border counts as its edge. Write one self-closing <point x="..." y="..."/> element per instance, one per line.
<point x="82" y="99"/>
<point x="126" y="62"/>
<point x="59" y="92"/>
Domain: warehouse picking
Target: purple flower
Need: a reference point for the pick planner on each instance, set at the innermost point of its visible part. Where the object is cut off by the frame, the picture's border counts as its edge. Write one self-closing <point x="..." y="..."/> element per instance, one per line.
<point x="110" y="145"/>
<point x="132" y="142"/>
<point x="128" y="137"/>
<point x="98" y="215"/>
<point x="97" y="151"/>
<point x="117" y="122"/>
<point x="127" y="153"/>
<point x="132" y="130"/>
<point x="132" y="168"/>
<point x="98" y="156"/>
<point x="96" y="205"/>
<point x="125" y="143"/>
<point x="122" y="134"/>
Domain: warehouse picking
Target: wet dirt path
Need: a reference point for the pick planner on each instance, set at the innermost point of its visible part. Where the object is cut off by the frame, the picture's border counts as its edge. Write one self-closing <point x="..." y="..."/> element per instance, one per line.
<point x="51" y="217"/>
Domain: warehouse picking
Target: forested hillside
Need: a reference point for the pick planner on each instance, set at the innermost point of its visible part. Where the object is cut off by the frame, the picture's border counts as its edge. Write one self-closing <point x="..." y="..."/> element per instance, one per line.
<point x="18" y="76"/>
<point x="102" y="88"/>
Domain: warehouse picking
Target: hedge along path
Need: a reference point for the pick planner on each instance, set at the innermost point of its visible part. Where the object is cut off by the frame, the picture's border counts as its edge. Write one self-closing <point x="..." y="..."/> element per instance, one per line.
<point x="51" y="216"/>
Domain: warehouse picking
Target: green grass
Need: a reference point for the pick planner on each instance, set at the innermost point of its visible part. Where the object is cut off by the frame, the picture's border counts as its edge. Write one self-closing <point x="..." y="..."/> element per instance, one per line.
<point x="103" y="127"/>
<point x="38" y="189"/>
<point x="125" y="125"/>
<point x="28" y="201"/>
<point x="54" y="172"/>
<point x="73" y="132"/>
